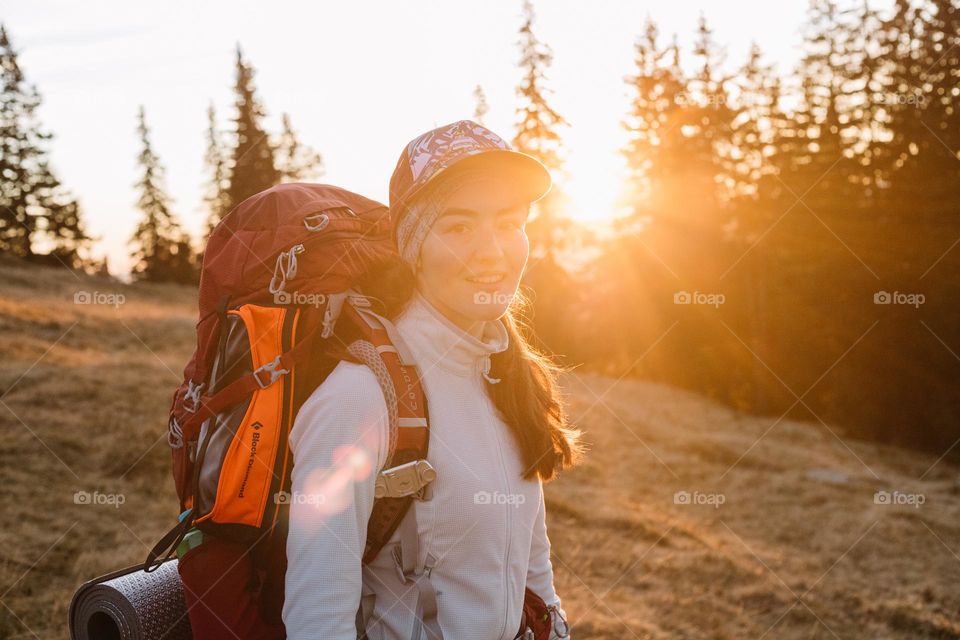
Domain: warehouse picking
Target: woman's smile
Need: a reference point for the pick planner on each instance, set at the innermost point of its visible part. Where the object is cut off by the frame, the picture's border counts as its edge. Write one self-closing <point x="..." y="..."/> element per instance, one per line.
<point x="487" y="278"/>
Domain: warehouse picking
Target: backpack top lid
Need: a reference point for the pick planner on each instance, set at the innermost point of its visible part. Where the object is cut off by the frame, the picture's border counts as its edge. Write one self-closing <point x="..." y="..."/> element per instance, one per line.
<point x="334" y="234"/>
<point x="242" y="252"/>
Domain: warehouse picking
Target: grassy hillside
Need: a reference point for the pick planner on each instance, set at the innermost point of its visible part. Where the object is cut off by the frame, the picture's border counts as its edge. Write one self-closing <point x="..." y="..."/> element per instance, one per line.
<point x="779" y="533"/>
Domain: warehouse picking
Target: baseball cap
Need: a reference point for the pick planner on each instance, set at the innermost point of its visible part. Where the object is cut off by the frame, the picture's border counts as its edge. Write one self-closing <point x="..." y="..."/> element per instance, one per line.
<point x="461" y="145"/>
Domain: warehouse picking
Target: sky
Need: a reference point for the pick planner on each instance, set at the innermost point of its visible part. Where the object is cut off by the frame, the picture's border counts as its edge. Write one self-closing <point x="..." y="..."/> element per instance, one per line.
<point x="359" y="80"/>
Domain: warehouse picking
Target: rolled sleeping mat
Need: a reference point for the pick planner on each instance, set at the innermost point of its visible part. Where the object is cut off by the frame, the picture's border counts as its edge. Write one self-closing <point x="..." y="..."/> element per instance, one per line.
<point x="131" y="604"/>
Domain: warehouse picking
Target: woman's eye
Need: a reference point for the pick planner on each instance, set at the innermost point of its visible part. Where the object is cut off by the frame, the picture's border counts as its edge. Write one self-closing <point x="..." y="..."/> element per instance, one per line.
<point x="458" y="228"/>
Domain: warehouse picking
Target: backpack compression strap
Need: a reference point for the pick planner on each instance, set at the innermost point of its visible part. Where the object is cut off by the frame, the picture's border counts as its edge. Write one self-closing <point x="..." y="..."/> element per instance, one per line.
<point x="207" y="406"/>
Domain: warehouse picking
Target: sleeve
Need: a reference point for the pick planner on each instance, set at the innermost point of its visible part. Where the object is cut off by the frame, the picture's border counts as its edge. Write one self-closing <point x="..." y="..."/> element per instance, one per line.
<point x="540" y="571"/>
<point x="339" y="443"/>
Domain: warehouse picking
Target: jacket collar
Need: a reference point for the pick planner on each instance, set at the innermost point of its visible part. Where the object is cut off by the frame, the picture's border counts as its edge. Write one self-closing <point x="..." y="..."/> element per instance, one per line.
<point x="437" y="342"/>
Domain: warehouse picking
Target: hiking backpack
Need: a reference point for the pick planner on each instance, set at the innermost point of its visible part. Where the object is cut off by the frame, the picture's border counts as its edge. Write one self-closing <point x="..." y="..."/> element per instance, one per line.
<point x="279" y="308"/>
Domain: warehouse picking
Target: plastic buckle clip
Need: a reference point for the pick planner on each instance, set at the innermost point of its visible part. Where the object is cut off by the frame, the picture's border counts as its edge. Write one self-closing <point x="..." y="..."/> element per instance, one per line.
<point x="271" y="368"/>
<point x="404" y="480"/>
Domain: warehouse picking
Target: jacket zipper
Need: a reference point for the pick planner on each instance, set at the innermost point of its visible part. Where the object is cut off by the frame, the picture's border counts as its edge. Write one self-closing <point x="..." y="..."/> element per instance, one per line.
<point x="507" y="505"/>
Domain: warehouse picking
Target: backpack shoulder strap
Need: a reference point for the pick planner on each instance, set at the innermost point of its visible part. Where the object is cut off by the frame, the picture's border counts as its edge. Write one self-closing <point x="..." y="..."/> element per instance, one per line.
<point x="407" y="474"/>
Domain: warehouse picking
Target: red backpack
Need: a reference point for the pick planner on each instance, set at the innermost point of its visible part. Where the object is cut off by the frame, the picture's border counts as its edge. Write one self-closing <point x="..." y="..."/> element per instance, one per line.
<point x="280" y="306"/>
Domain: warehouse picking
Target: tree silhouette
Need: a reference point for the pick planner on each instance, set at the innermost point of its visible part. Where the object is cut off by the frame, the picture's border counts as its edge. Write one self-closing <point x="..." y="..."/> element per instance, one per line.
<point x="537" y="135"/>
<point x="806" y="193"/>
<point x="216" y="198"/>
<point x="35" y="208"/>
<point x="252" y="168"/>
<point x="482" y="109"/>
<point x="296" y="161"/>
<point x="161" y="249"/>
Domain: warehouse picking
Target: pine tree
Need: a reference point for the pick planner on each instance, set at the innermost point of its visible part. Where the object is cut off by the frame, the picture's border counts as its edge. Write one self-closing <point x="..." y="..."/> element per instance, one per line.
<point x="61" y="228"/>
<point x="670" y="239"/>
<point x="537" y="135"/>
<point x="756" y="196"/>
<point x="941" y="61"/>
<point x="869" y="85"/>
<point x="252" y="167"/>
<point x="751" y="166"/>
<point x="653" y="151"/>
<point x="710" y="112"/>
<point x="296" y="161"/>
<point x="35" y="208"/>
<point x="826" y="112"/>
<point x="215" y="198"/>
<point x="922" y="43"/>
<point x="676" y="128"/>
<point x="481" y="109"/>
<point x="161" y="249"/>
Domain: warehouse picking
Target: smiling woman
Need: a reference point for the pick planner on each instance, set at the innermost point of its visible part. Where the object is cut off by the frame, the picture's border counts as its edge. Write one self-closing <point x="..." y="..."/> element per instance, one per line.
<point x="476" y="546"/>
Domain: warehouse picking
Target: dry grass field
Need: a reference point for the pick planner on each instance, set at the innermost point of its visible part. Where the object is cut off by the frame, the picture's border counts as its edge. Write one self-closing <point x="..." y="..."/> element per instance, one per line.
<point x="687" y="520"/>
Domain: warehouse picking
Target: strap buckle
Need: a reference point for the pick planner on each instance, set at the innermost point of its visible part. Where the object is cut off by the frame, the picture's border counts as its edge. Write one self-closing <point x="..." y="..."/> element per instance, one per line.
<point x="405" y="480"/>
<point x="271" y="368"/>
<point x="411" y="575"/>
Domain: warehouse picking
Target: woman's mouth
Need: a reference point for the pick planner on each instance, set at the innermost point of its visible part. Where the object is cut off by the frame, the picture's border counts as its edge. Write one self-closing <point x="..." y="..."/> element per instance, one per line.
<point x="487" y="278"/>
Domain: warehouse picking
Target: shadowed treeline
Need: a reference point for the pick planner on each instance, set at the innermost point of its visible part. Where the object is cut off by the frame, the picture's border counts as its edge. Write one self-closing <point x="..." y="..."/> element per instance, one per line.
<point x="789" y="243"/>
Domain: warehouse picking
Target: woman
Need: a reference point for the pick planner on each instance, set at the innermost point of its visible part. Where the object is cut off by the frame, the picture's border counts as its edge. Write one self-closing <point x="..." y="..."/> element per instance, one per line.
<point x="459" y="199"/>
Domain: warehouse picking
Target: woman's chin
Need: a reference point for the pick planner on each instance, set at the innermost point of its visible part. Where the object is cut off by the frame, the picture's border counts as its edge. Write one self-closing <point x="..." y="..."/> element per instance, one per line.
<point x="486" y="303"/>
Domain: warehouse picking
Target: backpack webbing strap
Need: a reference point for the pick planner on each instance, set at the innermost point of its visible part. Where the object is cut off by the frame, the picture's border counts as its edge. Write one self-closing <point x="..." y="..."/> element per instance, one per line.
<point x="385" y="353"/>
<point x="413" y="569"/>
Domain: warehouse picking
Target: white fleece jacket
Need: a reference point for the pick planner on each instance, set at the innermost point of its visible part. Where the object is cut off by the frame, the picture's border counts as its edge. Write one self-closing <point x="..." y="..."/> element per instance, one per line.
<point x="484" y="525"/>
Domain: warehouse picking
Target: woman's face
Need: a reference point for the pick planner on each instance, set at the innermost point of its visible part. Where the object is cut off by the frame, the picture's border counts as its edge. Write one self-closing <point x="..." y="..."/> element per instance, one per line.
<point x="472" y="259"/>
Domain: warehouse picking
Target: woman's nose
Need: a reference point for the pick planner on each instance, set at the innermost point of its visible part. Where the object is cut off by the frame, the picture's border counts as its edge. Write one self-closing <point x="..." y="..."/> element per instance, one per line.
<point x="488" y="245"/>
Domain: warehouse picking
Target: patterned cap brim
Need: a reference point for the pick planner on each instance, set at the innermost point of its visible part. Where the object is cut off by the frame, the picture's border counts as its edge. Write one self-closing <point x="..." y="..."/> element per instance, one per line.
<point x="529" y="174"/>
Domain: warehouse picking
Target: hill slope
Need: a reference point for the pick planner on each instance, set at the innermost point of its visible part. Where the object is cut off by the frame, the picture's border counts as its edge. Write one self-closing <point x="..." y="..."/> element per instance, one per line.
<point x="777" y="535"/>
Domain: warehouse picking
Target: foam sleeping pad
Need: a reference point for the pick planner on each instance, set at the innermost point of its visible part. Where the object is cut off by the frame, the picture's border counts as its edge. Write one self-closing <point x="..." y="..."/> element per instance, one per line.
<point x="131" y="604"/>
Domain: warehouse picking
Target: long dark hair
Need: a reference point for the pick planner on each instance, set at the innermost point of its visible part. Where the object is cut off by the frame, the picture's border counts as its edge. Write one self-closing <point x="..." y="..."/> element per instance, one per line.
<point x="527" y="396"/>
